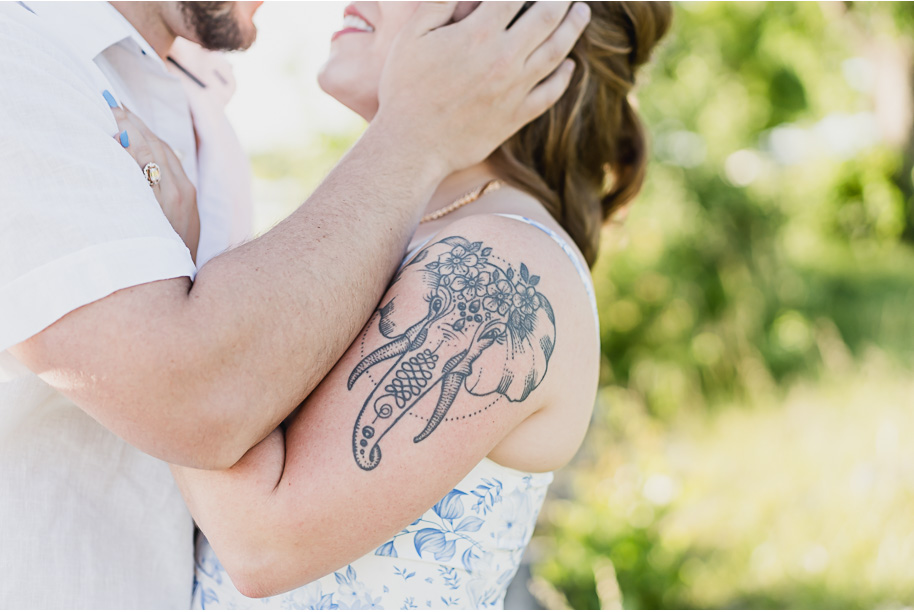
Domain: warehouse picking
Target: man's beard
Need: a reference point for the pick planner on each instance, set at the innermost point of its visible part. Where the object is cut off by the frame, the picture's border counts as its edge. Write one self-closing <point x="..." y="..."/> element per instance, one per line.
<point x="214" y="25"/>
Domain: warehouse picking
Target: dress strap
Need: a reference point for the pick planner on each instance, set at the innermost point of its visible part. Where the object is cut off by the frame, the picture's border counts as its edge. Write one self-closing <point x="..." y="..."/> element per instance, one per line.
<point x="583" y="271"/>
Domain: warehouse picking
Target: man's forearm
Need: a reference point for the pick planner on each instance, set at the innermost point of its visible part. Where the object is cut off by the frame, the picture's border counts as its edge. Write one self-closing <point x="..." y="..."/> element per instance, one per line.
<point x="287" y="305"/>
<point x="198" y="373"/>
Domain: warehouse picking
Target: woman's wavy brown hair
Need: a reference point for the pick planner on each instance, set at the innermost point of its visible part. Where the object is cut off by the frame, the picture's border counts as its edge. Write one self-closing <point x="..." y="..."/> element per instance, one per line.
<point x="586" y="156"/>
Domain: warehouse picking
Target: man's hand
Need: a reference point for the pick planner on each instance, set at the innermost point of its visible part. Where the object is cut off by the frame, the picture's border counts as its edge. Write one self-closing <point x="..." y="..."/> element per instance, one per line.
<point x="197" y="373"/>
<point x="458" y="91"/>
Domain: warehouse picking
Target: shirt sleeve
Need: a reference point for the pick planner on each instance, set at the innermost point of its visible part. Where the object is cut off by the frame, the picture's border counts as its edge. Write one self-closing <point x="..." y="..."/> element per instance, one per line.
<point x="77" y="218"/>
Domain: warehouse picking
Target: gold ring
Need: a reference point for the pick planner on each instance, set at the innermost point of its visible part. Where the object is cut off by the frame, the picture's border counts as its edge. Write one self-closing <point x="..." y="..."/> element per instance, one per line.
<point x="152" y="173"/>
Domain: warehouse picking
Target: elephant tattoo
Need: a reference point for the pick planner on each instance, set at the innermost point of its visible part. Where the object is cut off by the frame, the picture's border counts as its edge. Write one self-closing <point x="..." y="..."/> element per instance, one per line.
<point x="485" y="331"/>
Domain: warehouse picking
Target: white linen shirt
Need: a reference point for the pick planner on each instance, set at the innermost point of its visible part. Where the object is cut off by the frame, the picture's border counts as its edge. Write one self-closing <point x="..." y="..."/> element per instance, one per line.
<point x="87" y="521"/>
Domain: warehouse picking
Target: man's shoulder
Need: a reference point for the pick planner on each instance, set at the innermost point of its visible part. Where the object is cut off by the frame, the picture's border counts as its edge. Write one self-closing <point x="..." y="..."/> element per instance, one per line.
<point x="30" y="52"/>
<point x="18" y="12"/>
<point x="20" y="27"/>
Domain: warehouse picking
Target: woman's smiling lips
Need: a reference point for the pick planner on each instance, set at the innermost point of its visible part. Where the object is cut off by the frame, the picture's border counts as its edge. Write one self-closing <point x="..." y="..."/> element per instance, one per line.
<point x="353" y="22"/>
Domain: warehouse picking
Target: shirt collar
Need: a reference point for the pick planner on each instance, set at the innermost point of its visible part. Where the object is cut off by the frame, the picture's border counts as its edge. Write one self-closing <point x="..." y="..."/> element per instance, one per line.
<point x="91" y="27"/>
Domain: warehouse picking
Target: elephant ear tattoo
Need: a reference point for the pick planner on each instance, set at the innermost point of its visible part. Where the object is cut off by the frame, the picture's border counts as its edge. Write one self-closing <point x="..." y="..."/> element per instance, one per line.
<point x="485" y="331"/>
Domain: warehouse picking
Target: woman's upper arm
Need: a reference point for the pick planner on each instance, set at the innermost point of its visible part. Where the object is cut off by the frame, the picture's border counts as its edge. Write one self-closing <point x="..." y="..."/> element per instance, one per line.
<point x="459" y="352"/>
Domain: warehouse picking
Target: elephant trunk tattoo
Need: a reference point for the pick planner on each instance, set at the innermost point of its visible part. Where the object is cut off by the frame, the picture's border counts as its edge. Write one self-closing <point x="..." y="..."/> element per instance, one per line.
<point x="487" y="331"/>
<point x="413" y="338"/>
<point x="453" y="380"/>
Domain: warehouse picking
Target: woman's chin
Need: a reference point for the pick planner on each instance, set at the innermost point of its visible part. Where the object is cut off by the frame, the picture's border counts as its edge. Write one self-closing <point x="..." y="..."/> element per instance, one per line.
<point x="365" y="111"/>
<point x="365" y="108"/>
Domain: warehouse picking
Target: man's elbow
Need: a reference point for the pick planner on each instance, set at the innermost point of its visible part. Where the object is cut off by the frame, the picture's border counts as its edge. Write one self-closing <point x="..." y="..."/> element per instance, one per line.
<point x="190" y="432"/>
<point x="208" y="442"/>
<point x="212" y="456"/>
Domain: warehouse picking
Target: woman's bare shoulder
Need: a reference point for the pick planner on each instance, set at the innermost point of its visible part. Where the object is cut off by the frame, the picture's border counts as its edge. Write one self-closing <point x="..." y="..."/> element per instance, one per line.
<point x="535" y="268"/>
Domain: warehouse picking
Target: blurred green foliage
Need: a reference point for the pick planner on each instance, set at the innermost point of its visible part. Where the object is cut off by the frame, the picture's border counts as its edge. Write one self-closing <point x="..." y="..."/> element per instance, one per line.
<point x="748" y="446"/>
<point x="770" y="251"/>
<point x="724" y="282"/>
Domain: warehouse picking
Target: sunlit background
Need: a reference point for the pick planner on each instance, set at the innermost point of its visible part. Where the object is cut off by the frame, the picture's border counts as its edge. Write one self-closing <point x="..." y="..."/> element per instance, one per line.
<point x="752" y="444"/>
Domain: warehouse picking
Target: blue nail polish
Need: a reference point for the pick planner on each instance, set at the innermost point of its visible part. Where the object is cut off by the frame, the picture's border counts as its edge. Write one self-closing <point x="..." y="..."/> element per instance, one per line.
<point x="109" y="99"/>
<point x="125" y="140"/>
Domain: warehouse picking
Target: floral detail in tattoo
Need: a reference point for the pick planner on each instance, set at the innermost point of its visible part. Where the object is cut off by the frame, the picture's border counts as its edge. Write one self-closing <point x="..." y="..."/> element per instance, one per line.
<point x="459" y="261"/>
<point x="499" y="297"/>
<point x="486" y="330"/>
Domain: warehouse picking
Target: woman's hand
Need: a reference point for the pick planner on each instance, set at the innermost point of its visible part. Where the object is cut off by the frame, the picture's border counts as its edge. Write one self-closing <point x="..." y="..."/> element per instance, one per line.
<point x="175" y="193"/>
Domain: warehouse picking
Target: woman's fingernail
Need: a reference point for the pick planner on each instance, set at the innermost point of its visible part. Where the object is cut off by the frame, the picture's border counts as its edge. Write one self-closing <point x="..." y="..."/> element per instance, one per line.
<point x="125" y="140"/>
<point x="109" y="99"/>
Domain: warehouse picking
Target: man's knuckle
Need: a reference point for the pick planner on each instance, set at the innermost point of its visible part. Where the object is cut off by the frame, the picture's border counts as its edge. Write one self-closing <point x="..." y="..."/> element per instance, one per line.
<point x="566" y="35"/>
<point x="553" y="53"/>
<point x="547" y="14"/>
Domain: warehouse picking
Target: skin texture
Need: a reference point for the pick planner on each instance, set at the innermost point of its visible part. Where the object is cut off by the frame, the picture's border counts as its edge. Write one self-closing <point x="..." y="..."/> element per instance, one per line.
<point x="301" y="505"/>
<point x="219" y="26"/>
<point x="483" y="345"/>
<point x="197" y="373"/>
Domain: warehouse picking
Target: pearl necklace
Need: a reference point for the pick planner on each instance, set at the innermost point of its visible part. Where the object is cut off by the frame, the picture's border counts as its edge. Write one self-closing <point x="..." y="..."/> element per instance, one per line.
<point x="463" y="201"/>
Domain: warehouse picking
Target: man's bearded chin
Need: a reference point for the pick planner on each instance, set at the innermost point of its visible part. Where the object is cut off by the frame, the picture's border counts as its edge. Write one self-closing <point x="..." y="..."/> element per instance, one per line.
<point x="216" y="27"/>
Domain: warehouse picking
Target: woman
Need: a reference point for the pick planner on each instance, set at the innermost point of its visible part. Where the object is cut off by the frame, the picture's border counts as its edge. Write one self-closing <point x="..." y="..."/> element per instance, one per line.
<point x="474" y="379"/>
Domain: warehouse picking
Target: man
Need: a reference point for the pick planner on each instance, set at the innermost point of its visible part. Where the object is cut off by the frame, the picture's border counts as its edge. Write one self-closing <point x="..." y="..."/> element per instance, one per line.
<point x="109" y="343"/>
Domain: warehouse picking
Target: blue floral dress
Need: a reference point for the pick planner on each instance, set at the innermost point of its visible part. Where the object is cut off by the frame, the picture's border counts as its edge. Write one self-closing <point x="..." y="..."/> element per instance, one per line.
<point x="462" y="553"/>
